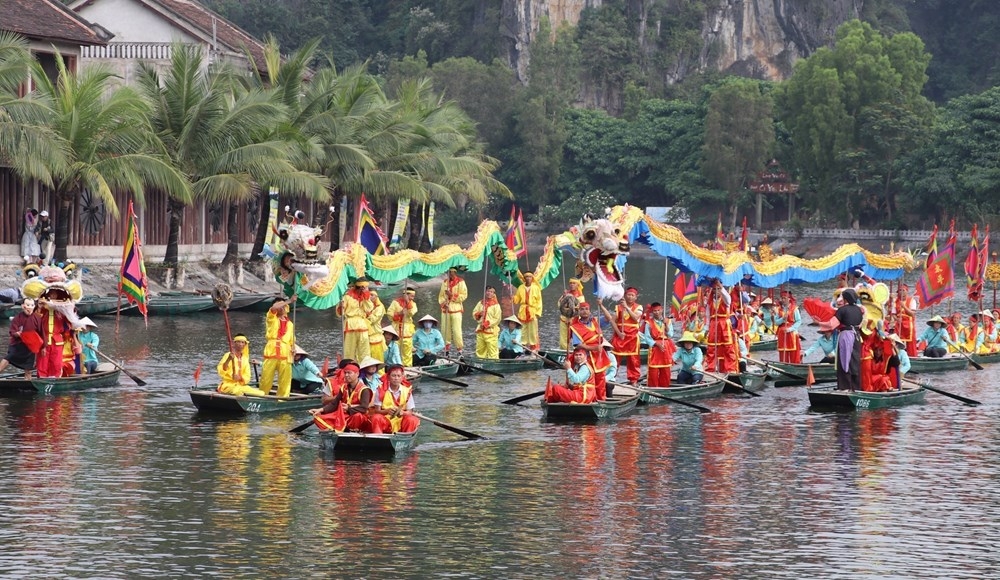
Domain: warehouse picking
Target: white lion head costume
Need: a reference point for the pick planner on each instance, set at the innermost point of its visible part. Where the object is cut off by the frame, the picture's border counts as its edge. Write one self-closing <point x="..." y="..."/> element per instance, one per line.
<point x="57" y="286"/>
<point x="601" y="244"/>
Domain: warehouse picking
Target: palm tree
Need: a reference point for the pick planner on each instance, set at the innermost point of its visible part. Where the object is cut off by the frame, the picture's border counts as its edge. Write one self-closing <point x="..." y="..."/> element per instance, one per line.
<point x="221" y="135"/>
<point x="105" y="130"/>
<point x="27" y="145"/>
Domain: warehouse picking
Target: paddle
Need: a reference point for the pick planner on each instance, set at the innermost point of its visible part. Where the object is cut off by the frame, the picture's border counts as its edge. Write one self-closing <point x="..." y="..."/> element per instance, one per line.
<point x="767" y="366"/>
<point x="731" y="383"/>
<point x="473" y="367"/>
<point x="452" y="428"/>
<point x="137" y="380"/>
<point x="664" y="397"/>
<point x="977" y="366"/>
<point x="971" y="402"/>
<point x="521" y="398"/>
<point x="437" y="378"/>
<point x="546" y="360"/>
<point x="302" y="427"/>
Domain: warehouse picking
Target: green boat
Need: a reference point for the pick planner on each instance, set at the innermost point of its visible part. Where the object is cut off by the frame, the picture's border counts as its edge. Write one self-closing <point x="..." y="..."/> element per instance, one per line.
<point x="175" y="304"/>
<point x="250" y="301"/>
<point x="985" y="359"/>
<point x="796" y="373"/>
<point x="97" y="380"/>
<point x="8" y="311"/>
<point x="446" y="369"/>
<point x="686" y="392"/>
<point x="504" y="366"/>
<point x="612" y="408"/>
<point x="375" y="444"/>
<point x="766" y="342"/>
<point x="97" y="305"/>
<point x="14" y="385"/>
<point x="948" y="362"/>
<point x="558" y="355"/>
<point x="831" y="398"/>
<point x="752" y="381"/>
<point x="208" y="399"/>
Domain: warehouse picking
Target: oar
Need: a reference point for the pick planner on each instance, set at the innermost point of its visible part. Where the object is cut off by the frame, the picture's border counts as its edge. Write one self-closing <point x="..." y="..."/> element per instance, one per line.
<point x="452" y="428"/>
<point x="772" y="367"/>
<point x="473" y="367"/>
<point x="731" y="383"/>
<point x="437" y="378"/>
<point x="521" y="398"/>
<point x="302" y="427"/>
<point x="137" y="380"/>
<point x="971" y="402"/>
<point x="546" y="360"/>
<point x="977" y="366"/>
<point x="664" y="397"/>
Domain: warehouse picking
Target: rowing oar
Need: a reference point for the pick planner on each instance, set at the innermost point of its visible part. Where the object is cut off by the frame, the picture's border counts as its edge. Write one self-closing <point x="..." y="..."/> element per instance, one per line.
<point x="521" y="398"/>
<point x="302" y="427"/>
<point x="772" y="367"/>
<point x="137" y="380"/>
<point x="731" y="383"/>
<point x="664" y="397"/>
<point x="977" y="366"/>
<point x="971" y="402"/>
<point x="473" y="367"/>
<point x="546" y="360"/>
<point x="452" y="428"/>
<point x="436" y="377"/>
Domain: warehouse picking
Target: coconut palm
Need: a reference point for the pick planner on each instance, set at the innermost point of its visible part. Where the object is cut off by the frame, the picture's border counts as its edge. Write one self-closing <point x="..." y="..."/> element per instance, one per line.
<point x="105" y="130"/>
<point x="221" y="135"/>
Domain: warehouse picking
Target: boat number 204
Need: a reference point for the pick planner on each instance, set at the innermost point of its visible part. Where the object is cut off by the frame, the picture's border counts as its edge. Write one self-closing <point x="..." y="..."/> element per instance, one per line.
<point x="862" y="403"/>
<point x="253" y="407"/>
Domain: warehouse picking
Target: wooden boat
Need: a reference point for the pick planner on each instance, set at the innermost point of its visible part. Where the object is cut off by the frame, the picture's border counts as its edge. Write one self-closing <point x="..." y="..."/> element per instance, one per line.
<point x="558" y="355"/>
<point x="988" y="358"/>
<point x="16" y="384"/>
<point x="948" y="362"/>
<point x="94" y="305"/>
<point x="100" y="379"/>
<point x="702" y="390"/>
<point x="210" y="400"/>
<point x="612" y="408"/>
<point x="250" y="300"/>
<point x="175" y="304"/>
<point x="766" y="342"/>
<point x="822" y="372"/>
<point x="504" y="366"/>
<point x="380" y="444"/>
<point x="445" y="369"/>
<point x="752" y="380"/>
<point x="830" y="397"/>
<point x="8" y="311"/>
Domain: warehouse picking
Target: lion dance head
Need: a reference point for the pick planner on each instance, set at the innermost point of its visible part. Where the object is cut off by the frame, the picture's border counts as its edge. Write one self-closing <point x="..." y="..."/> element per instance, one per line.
<point x="57" y="285"/>
<point x="601" y="244"/>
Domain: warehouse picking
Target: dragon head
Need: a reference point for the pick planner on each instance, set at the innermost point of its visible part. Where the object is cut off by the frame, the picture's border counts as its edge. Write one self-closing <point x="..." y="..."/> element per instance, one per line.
<point x="300" y="252"/>
<point x="601" y="243"/>
<point x="56" y="285"/>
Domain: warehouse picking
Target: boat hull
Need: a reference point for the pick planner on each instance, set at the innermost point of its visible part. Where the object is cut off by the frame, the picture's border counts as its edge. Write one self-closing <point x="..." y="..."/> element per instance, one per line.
<point x="951" y="362"/>
<point x="985" y="359"/>
<point x="684" y="392"/>
<point x="822" y="372"/>
<point x="446" y="370"/>
<point x="558" y="355"/>
<point x="381" y="444"/>
<point x="210" y="400"/>
<point x="769" y="342"/>
<point x="616" y="406"/>
<point x="831" y="398"/>
<point x="98" y="380"/>
<point x="751" y="381"/>
<point x="504" y="366"/>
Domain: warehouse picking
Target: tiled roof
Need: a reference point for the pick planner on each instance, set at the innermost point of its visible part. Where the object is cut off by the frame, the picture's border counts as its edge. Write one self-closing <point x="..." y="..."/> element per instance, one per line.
<point x="46" y="19"/>
<point x="226" y="32"/>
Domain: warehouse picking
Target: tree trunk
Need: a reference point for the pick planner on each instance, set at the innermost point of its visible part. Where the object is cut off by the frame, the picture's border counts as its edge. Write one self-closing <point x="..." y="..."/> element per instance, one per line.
<point x="334" y="229"/>
<point x="62" y="215"/>
<point x="233" y="234"/>
<point x="173" y="238"/>
<point x="262" y="224"/>
<point x="416" y="237"/>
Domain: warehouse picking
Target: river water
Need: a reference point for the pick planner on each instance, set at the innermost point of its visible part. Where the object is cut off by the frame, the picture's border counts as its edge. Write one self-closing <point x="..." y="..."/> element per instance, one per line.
<point x="131" y="482"/>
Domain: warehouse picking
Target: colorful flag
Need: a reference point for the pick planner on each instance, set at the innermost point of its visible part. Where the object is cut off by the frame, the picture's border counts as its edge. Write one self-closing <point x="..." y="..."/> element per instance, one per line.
<point x="514" y="237"/>
<point x="685" y="294"/>
<point x="197" y="373"/>
<point x="937" y="281"/>
<point x="720" y="238"/>
<point x="369" y="234"/>
<point x="399" y="227"/>
<point x="744" y="243"/>
<point x="973" y="272"/>
<point x="132" y="283"/>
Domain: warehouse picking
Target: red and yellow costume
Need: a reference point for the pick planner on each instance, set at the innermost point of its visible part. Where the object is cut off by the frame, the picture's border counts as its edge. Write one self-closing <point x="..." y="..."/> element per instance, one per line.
<point x="626" y="348"/>
<point x="906" y="322"/>
<point x="789" y="343"/>
<point x="529" y="298"/>
<point x="588" y="335"/>
<point x="278" y="352"/>
<point x="955" y="331"/>
<point x="341" y="419"/>
<point x="575" y="290"/>
<point x="452" y="297"/>
<point x="56" y="331"/>
<point x="661" y="354"/>
<point x="391" y="401"/>
<point x="401" y="312"/>
<point x="487" y="314"/>
<point x="876" y="374"/>
<point x="579" y="388"/>
<point x="723" y="352"/>
<point x="354" y="308"/>
<point x="234" y="370"/>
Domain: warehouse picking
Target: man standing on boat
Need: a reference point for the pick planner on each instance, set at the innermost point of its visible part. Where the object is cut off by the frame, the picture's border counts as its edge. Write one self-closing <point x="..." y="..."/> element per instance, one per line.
<point x="906" y="318"/>
<point x="585" y="332"/>
<point x="722" y="355"/>
<point x="56" y="332"/>
<point x="850" y="316"/>
<point x="529" y="298"/>
<point x="234" y="370"/>
<point x="452" y="297"/>
<point x="487" y="314"/>
<point x="394" y="406"/>
<point x="789" y="344"/>
<point x="374" y="313"/>
<point x="580" y="387"/>
<point x="279" y="331"/>
<point x="661" y="352"/>
<point x="401" y="312"/>
<point x="354" y="308"/>
<point x="570" y="299"/>
<point x="625" y="343"/>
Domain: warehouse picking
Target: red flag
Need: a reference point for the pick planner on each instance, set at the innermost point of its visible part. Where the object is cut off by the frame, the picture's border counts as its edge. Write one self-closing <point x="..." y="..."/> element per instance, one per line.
<point x="680" y="289"/>
<point x="810" y="378"/>
<point x="514" y="236"/>
<point x="744" y="243"/>
<point x="197" y="373"/>
<point x="937" y="281"/>
<point x="973" y="279"/>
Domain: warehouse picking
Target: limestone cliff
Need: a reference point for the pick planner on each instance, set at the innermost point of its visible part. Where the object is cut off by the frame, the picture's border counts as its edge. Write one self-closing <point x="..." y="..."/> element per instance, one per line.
<point x="756" y="38"/>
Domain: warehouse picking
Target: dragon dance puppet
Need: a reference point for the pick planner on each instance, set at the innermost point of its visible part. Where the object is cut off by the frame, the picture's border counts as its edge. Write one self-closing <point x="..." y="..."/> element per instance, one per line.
<point x="56" y="292"/>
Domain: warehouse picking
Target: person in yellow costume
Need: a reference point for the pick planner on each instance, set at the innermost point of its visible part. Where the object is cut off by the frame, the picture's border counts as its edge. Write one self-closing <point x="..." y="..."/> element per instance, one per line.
<point x="374" y="312"/>
<point x="575" y="290"/>
<point x="487" y="315"/>
<point x="452" y="297"/>
<point x="234" y="370"/>
<point x="354" y="307"/>
<point x="529" y="298"/>
<point x="279" y="352"/>
<point x="401" y="313"/>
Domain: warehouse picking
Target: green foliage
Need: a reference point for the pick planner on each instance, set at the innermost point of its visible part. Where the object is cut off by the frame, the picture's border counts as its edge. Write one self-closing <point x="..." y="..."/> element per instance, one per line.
<point x="457" y="221"/>
<point x="572" y="210"/>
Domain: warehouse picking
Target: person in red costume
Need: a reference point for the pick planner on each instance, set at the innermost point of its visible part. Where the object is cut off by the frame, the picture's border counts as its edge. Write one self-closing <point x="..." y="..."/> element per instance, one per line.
<point x="585" y="331"/>
<point x="348" y="406"/>
<point x="579" y="387"/>
<point x="789" y="344"/>
<point x="625" y="343"/>
<point x="56" y="332"/>
<point x="661" y="354"/>
<point x="723" y="352"/>
<point x="394" y="408"/>
<point x="906" y="318"/>
<point x="25" y="338"/>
